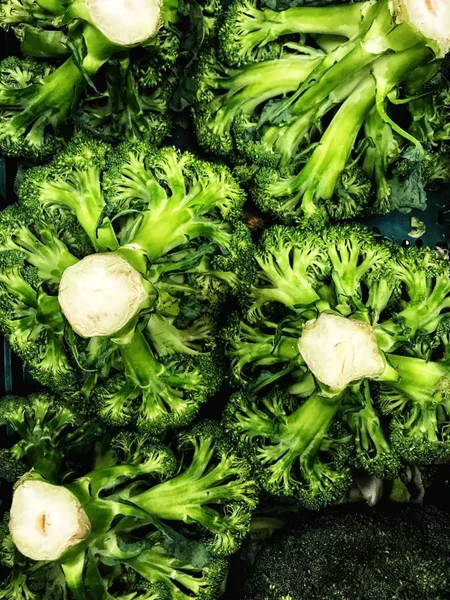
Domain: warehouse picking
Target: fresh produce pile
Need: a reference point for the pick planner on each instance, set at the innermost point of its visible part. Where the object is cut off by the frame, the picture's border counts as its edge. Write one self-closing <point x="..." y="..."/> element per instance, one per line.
<point x="191" y="369"/>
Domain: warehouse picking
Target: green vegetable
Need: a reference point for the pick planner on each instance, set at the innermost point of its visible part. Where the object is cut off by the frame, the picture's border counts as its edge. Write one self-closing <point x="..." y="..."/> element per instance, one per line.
<point x="113" y="268"/>
<point x="380" y="553"/>
<point x="136" y="516"/>
<point x="305" y="92"/>
<point x="357" y="328"/>
<point x="37" y="100"/>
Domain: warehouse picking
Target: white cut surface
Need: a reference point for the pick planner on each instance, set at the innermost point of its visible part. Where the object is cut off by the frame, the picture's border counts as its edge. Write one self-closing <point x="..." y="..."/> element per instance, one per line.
<point x="100" y="294"/>
<point x="126" y="22"/>
<point x="46" y="520"/>
<point x="430" y="17"/>
<point x="339" y="350"/>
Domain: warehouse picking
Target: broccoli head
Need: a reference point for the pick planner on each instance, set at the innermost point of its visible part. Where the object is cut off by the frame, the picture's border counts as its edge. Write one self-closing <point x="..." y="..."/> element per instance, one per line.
<point x="142" y="521"/>
<point x="161" y="225"/>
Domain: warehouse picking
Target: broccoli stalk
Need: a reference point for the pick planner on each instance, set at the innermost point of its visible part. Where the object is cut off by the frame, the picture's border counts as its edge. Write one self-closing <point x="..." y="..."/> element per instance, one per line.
<point x="298" y="452"/>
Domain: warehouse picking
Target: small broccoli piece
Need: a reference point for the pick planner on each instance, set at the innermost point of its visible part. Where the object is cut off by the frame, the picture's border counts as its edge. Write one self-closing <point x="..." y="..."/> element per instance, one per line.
<point x="248" y="32"/>
<point x="227" y="97"/>
<point x="36" y="240"/>
<point x="301" y="451"/>
<point x="181" y="581"/>
<point x="419" y="407"/>
<point x="373" y="451"/>
<point x="126" y="109"/>
<point x="387" y="552"/>
<point x="383" y="149"/>
<point x="7" y="548"/>
<point x="215" y="489"/>
<point x="49" y="432"/>
<point x="425" y="284"/>
<point x="71" y="184"/>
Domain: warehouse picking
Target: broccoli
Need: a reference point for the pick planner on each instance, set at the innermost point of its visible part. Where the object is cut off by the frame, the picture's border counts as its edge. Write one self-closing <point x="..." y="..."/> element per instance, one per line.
<point x="374" y="454"/>
<point x="300" y="451"/>
<point x="350" y="322"/>
<point x="142" y="511"/>
<point x="132" y="74"/>
<point x="50" y="432"/>
<point x="381" y="553"/>
<point x="127" y="109"/>
<point x="302" y="91"/>
<point x="161" y="230"/>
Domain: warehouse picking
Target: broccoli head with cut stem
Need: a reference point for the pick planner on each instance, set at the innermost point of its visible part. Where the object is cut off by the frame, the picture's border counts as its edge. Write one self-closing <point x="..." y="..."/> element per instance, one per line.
<point x="130" y="317"/>
<point x="338" y="317"/>
<point x="37" y="102"/>
<point x="120" y="537"/>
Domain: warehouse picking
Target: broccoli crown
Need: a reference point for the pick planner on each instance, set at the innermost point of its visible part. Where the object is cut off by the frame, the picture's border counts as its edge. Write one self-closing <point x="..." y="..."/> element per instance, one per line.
<point x="161" y="525"/>
<point x="291" y="89"/>
<point x="51" y="435"/>
<point x="173" y="218"/>
<point x="396" y="414"/>
<point x="406" y="544"/>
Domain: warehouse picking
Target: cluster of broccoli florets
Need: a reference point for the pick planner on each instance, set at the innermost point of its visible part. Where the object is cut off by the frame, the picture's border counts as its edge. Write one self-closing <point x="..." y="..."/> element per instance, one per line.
<point x="136" y="285"/>
<point x="341" y="353"/>
<point x="311" y="96"/>
<point x="105" y="69"/>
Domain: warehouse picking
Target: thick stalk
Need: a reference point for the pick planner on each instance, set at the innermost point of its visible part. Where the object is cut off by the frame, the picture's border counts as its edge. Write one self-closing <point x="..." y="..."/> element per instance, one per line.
<point x="305" y="428"/>
<point x="269" y="25"/>
<point x="420" y="380"/>
<point x="140" y="364"/>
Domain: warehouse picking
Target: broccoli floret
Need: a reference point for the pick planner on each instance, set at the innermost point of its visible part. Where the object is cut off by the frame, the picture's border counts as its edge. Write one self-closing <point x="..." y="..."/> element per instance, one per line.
<point x="299" y="451"/>
<point x="175" y="578"/>
<point x="381" y="553"/>
<point x="71" y="184"/>
<point x="36" y="240"/>
<point x="248" y="32"/>
<point x="214" y="489"/>
<point x="425" y="285"/>
<point x="127" y="109"/>
<point x="419" y="407"/>
<point x="373" y="451"/>
<point x="49" y="432"/>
